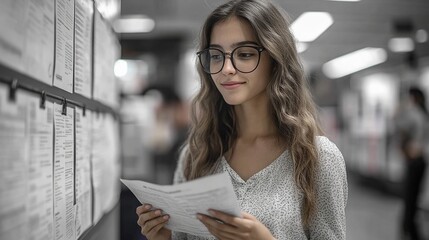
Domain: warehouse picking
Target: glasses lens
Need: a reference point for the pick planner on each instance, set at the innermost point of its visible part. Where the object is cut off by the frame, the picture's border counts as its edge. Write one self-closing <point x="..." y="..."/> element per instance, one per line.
<point x="212" y="60"/>
<point x="246" y="59"/>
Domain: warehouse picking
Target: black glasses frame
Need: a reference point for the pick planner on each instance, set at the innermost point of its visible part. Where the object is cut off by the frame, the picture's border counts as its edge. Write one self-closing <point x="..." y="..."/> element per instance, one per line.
<point x="231" y="54"/>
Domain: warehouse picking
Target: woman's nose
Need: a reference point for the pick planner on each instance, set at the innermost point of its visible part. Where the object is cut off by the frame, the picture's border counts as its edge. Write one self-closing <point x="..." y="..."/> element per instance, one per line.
<point x="228" y="67"/>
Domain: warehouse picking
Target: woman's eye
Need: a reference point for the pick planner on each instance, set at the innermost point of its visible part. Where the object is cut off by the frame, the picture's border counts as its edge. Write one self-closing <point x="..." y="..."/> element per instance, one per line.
<point x="245" y="55"/>
<point x="216" y="57"/>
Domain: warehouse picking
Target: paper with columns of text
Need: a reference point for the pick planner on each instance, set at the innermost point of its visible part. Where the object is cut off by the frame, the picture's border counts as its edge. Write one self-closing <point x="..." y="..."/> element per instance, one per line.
<point x="183" y="201"/>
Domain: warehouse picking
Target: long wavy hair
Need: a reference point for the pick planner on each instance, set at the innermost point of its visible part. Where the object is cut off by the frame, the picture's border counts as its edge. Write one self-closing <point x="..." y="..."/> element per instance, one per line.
<point x="213" y="128"/>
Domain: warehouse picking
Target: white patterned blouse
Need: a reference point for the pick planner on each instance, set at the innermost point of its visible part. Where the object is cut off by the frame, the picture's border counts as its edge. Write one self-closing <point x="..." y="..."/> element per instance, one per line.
<point x="273" y="198"/>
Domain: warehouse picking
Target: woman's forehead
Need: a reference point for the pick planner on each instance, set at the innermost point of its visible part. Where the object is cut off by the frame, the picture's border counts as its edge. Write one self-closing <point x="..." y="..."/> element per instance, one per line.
<point x="230" y="32"/>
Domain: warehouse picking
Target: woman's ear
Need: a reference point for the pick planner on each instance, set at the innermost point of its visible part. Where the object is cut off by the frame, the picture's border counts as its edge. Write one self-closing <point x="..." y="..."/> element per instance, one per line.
<point x="274" y="64"/>
<point x="274" y="67"/>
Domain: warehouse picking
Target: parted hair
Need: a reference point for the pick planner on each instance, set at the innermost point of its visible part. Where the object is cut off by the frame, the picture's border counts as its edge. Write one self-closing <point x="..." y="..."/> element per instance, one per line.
<point x="213" y="122"/>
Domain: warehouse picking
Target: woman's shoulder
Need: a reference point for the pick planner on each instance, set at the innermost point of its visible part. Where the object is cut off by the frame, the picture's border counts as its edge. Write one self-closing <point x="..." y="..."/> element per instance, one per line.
<point x="329" y="154"/>
<point x="332" y="172"/>
<point x="326" y="146"/>
<point x="332" y="192"/>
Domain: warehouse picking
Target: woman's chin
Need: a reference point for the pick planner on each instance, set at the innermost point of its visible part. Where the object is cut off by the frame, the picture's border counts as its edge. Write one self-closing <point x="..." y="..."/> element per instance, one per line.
<point x="232" y="102"/>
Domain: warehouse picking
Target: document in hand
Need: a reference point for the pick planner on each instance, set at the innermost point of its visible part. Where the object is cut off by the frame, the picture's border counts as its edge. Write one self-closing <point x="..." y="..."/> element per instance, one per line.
<point x="183" y="201"/>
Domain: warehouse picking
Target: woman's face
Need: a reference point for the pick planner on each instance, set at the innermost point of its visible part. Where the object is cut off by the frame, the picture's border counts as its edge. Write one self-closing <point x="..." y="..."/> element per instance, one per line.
<point x="237" y="87"/>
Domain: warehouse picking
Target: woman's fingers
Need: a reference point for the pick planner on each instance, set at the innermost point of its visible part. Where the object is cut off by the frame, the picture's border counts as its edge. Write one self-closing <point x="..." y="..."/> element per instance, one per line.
<point x="153" y="225"/>
<point x="217" y="228"/>
<point x="150" y="220"/>
<point x="226" y="226"/>
<point x="215" y="224"/>
<point x="234" y="221"/>
<point x="143" y="208"/>
<point x="147" y="216"/>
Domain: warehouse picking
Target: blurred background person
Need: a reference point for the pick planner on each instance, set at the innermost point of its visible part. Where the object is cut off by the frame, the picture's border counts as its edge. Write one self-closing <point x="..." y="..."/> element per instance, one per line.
<point x="154" y="124"/>
<point x="170" y="132"/>
<point x="412" y="129"/>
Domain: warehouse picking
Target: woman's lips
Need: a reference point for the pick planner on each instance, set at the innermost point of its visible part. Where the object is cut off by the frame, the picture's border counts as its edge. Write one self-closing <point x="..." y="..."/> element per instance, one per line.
<point x="232" y="85"/>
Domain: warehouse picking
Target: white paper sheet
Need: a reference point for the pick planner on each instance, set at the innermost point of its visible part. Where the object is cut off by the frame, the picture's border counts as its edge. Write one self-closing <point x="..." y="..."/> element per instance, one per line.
<point x="39" y="38"/>
<point x="64" y="211"/>
<point x="111" y="159"/>
<point x="12" y="29"/>
<point x="13" y="168"/>
<point x="98" y="165"/>
<point x="40" y="130"/>
<point x="83" y="47"/>
<point x="63" y="77"/>
<point x="105" y="164"/>
<point x="183" y="201"/>
<point x="106" y="52"/>
<point x="83" y="171"/>
<point x="27" y="39"/>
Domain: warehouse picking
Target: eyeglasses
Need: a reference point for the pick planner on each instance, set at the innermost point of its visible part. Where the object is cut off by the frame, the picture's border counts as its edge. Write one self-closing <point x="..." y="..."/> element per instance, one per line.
<point x="245" y="59"/>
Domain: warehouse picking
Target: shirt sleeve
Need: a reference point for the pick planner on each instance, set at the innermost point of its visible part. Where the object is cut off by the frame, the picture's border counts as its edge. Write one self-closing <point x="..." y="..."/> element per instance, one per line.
<point x="332" y="190"/>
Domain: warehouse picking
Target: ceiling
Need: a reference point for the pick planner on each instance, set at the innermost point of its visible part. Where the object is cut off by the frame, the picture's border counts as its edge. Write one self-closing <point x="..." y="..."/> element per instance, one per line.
<point x="368" y="23"/>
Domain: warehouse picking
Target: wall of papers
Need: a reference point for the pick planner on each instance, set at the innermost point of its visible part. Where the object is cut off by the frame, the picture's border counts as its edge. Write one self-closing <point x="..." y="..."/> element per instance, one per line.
<point x="59" y="126"/>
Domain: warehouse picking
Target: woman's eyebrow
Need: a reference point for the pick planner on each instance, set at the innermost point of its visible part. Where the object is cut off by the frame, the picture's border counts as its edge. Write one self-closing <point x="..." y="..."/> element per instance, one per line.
<point x="235" y="44"/>
<point x="244" y="43"/>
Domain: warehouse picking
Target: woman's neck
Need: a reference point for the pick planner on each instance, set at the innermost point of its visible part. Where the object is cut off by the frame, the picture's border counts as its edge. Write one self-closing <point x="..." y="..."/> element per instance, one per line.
<point x="255" y="121"/>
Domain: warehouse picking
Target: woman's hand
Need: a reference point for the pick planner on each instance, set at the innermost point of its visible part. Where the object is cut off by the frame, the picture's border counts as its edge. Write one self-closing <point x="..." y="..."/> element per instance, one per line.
<point x="225" y="226"/>
<point x="152" y="223"/>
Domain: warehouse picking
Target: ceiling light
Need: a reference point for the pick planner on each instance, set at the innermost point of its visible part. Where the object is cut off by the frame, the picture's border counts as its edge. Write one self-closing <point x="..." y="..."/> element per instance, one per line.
<point x="121" y="68"/>
<point x="401" y="44"/>
<point x="301" y="47"/>
<point x="310" y="25"/>
<point x="109" y="9"/>
<point x="354" y="61"/>
<point x="134" y="24"/>
<point x="344" y="0"/>
<point x="421" y="36"/>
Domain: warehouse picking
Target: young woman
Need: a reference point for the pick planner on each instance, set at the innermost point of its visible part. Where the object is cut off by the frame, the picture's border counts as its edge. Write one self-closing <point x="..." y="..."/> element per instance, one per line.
<point x="254" y="118"/>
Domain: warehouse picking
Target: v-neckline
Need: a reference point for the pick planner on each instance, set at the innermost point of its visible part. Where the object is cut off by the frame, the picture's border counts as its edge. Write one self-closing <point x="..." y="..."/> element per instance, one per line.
<point x="235" y="175"/>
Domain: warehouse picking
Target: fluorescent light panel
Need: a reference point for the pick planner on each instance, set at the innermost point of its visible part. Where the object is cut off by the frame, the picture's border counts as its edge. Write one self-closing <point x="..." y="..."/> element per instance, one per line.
<point x="109" y="9"/>
<point x="401" y="44"/>
<point x="301" y="47"/>
<point x="134" y="24"/>
<point x="121" y="68"/>
<point x="354" y="61"/>
<point x="344" y="0"/>
<point x="310" y="25"/>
